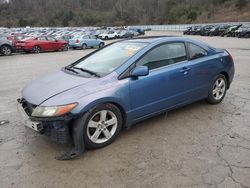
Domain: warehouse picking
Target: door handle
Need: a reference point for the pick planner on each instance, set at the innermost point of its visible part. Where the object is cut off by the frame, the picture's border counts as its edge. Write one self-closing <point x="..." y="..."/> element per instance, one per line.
<point x="185" y="70"/>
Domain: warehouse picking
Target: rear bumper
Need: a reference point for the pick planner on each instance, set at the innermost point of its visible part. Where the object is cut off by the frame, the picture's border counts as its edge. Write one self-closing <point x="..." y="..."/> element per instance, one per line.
<point x="74" y="45"/>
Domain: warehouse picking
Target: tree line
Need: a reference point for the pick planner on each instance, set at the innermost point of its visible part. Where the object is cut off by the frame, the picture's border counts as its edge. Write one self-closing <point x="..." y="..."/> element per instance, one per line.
<point x="21" y="13"/>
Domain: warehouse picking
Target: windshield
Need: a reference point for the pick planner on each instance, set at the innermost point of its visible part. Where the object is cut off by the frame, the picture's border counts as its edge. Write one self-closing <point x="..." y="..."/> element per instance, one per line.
<point x="108" y="59"/>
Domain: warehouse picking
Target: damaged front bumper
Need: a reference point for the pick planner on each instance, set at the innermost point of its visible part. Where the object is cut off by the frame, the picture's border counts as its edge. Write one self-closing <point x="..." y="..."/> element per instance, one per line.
<point x="56" y="128"/>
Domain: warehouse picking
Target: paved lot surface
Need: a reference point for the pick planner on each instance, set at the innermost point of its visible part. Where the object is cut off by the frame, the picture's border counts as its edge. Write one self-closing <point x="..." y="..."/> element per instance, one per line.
<point x="199" y="145"/>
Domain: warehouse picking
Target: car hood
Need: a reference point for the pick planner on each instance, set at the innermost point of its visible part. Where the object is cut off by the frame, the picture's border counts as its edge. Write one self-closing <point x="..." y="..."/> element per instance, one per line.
<point x="51" y="85"/>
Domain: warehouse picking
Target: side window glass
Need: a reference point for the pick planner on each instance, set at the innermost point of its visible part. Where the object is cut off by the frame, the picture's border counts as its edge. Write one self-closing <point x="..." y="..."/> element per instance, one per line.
<point x="51" y="39"/>
<point x="164" y="55"/>
<point x="41" y="38"/>
<point x="92" y="37"/>
<point x="85" y="37"/>
<point x="196" y="51"/>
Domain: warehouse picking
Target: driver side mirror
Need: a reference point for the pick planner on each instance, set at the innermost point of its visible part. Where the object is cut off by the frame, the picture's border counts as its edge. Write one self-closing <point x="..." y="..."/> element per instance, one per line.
<point x="139" y="71"/>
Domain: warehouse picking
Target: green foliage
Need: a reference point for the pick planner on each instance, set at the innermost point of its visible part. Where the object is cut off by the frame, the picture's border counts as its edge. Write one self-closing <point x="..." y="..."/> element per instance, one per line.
<point x="192" y="15"/>
<point x="109" y="12"/>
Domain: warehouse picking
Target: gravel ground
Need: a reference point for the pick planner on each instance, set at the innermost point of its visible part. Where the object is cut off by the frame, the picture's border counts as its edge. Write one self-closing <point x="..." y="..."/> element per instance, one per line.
<point x="199" y="145"/>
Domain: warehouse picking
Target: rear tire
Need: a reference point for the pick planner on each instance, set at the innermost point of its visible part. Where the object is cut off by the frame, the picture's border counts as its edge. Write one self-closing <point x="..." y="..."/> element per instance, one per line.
<point x="101" y="45"/>
<point x="100" y="126"/>
<point x="84" y="46"/>
<point x="218" y="90"/>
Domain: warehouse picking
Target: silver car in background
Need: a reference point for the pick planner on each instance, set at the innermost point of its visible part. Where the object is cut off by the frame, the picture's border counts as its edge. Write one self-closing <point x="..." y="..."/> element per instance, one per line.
<point x="6" y="46"/>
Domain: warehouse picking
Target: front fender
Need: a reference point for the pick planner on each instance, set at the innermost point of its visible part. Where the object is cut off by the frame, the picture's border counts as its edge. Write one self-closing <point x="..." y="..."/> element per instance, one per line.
<point x="109" y="90"/>
<point x="118" y="95"/>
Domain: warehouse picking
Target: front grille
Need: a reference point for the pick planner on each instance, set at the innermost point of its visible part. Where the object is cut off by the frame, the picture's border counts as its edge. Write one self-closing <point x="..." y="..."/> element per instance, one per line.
<point x="28" y="107"/>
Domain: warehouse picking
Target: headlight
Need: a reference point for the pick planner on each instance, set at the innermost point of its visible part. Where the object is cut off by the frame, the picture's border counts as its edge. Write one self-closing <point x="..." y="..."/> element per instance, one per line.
<point x="51" y="111"/>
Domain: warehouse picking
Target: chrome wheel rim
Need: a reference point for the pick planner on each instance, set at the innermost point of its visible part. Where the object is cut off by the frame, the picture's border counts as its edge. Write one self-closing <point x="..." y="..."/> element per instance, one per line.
<point x="6" y="50"/>
<point x="102" y="126"/>
<point x="219" y="89"/>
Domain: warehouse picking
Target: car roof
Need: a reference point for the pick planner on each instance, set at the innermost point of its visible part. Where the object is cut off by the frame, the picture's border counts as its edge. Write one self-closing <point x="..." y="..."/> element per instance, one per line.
<point x="151" y="39"/>
<point x="170" y="38"/>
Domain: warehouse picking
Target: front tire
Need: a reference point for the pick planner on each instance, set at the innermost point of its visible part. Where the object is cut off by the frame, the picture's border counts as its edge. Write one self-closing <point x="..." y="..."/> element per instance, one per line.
<point x="65" y="47"/>
<point x="218" y="89"/>
<point x="36" y="49"/>
<point x="6" y="50"/>
<point x="100" y="126"/>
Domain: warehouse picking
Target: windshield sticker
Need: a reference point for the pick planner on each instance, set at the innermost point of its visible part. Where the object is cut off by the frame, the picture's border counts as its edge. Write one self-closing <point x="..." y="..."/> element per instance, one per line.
<point x="131" y="49"/>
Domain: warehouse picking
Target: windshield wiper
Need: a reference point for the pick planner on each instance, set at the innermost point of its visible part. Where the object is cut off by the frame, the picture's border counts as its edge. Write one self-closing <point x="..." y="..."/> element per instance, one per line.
<point x="70" y="69"/>
<point x="88" y="71"/>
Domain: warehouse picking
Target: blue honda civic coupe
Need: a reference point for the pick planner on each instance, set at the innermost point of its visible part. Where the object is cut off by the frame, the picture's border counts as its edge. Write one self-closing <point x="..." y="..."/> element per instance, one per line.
<point x="89" y="102"/>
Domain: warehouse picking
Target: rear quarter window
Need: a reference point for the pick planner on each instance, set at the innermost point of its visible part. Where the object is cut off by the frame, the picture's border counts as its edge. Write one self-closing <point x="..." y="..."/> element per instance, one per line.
<point x="196" y="51"/>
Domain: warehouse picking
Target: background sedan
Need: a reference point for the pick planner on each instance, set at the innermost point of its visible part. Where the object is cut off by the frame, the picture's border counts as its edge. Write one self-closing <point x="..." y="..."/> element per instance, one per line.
<point x="85" y="41"/>
<point x="41" y="44"/>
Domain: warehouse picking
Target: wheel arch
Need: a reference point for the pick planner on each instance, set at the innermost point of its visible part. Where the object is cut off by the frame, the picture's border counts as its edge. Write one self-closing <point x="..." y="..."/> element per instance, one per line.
<point x="108" y="101"/>
<point x="11" y="47"/>
<point x="227" y="77"/>
<point x="38" y="46"/>
<point x="123" y="113"/>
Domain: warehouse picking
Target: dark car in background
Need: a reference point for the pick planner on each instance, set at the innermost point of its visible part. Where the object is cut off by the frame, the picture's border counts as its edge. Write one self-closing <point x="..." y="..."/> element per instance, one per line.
<point x="205" y="30"/>
<point x="218" y="30"/>
<point x="187" y="31"/>
<point x="230" y="31"/>
<point x="194" y="30"/>
<point x="243" y="32"/>
<point x="240" y="30"/>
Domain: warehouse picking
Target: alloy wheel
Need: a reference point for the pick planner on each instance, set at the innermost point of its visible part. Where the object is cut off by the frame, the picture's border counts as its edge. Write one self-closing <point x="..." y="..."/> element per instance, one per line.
<point x="219" y="89"/>
<point x="36" y="49"/>
<point x="102" y="126"/>
<point x="6" y="50"/>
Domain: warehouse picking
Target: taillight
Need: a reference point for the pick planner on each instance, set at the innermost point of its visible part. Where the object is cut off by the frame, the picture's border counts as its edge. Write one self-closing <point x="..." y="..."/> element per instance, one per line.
<point x="77" y="41"/>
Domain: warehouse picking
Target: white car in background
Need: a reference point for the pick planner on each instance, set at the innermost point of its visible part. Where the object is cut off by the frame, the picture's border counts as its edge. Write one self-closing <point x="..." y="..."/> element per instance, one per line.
<point x="108" y="35"/>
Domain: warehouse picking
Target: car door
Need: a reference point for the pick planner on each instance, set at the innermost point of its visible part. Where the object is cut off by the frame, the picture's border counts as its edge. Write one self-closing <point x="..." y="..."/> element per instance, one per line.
<point x="167" y="85"/>
<point x="201" y="70"/>
<point x="85" y="40"/>
<point x="52" y="43"/>
<point x="42" y="42"/>
<point x="111" y="34"/>
<point x="94" y="41"/>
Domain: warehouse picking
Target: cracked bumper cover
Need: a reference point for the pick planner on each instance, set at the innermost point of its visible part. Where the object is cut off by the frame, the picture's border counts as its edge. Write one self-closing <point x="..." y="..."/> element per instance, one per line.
<point x="56" y="128"/>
